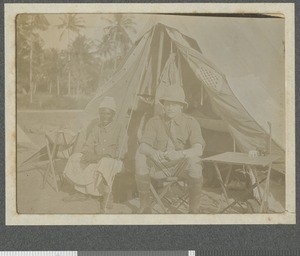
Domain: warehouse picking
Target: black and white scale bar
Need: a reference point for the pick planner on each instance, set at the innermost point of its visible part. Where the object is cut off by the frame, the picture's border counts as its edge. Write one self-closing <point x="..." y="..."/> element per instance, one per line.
<point x="195" y="253"/>
<point x="38" y="253"/>
<point x="138" y="253"/>
<point x="249" y="253"/>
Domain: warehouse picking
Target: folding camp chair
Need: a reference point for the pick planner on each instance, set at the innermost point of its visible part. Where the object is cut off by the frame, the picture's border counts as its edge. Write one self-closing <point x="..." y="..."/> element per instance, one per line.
<point x="169" y="181"/>
<point x="171" y="204"/>
<point x="60" y="145"/>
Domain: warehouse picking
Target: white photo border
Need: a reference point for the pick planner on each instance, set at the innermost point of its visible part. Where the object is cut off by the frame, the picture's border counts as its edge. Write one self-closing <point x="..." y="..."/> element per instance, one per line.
<point x="13" y="218"/>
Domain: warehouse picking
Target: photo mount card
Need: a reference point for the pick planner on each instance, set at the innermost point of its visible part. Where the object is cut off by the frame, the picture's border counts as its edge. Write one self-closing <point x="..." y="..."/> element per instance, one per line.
<point x="89" y="136"/>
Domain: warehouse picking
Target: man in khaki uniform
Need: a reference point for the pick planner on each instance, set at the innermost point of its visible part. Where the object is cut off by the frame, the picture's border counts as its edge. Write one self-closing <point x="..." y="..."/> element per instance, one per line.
<point x="170" y="142"/>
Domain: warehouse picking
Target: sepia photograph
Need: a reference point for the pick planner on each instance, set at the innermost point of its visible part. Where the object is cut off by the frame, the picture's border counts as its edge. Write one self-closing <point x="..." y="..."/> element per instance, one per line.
<point x="150" y="114"/>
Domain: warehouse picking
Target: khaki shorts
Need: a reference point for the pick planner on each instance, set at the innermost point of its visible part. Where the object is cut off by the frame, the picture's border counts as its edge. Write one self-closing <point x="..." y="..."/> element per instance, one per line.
<point x="191" y="166"/>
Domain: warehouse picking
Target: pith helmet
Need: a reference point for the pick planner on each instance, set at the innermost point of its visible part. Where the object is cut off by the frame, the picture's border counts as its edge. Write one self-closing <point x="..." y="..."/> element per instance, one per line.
<point x="174" y="93"/>
<point x="108" y="102"/>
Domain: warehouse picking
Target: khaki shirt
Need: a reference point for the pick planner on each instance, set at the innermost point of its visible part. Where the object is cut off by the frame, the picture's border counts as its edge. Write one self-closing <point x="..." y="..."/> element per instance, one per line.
<point x="187" y="133"/>
<point x="105" y="141"/>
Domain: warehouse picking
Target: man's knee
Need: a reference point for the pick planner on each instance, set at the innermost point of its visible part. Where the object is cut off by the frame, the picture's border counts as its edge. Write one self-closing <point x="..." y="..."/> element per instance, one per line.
<point x="194" y="167"/>
<point x="141" y="166"/>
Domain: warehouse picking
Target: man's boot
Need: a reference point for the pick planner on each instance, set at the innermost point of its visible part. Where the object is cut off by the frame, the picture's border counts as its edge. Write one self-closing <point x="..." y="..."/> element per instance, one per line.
<point x="143" y="186"/>
<point x="195" y="188"/>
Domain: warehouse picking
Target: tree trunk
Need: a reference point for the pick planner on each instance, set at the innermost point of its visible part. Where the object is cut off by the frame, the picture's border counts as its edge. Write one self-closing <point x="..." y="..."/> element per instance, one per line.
<point x="34" y="87"/>
<point x="50" y="87"/>
<point x="30" y="72"/>
<point x="69" y="76"/>
<point x="77" y="89"/>
<point x="58" y="86"/>
<point x="69" y="63"/>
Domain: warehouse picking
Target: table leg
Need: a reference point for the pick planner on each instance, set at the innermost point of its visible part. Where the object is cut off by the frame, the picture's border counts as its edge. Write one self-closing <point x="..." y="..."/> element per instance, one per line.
<point x="221" y="182"/>
<point x="264" y="203"/>
<point x="228" y="175"/>
<point x="254" y="171"/>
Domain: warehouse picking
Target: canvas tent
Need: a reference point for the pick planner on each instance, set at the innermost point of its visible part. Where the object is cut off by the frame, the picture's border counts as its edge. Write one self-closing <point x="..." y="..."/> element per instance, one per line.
<point x="211" y="98"/>
<point x="23" y="141"/>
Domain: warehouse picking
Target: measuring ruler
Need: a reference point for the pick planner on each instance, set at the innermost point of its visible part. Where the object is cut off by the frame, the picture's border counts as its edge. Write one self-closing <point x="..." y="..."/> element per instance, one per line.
<point x="156" y="253"/>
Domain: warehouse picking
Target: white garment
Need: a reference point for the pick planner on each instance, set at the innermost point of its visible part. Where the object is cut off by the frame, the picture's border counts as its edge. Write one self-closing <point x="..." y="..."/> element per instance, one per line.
<point x="89" y="179"/>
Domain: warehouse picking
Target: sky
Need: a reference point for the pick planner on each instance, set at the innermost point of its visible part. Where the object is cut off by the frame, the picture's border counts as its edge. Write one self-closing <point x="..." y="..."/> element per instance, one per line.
<point x="94" y="25"/>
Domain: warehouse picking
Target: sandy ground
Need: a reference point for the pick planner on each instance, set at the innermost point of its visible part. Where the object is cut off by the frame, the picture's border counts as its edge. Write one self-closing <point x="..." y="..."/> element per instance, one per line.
<point x="33" y="197"/>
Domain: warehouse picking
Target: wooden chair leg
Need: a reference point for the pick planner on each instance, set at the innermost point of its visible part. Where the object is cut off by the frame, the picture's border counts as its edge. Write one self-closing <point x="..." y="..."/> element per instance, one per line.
<point x="157" y="198"/>
<point x="45" y="175"/>
<point x="51" y="165"/>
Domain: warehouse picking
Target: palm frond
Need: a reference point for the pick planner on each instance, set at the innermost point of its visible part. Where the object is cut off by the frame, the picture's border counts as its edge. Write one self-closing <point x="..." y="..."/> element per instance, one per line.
<point x="106" y="19"/>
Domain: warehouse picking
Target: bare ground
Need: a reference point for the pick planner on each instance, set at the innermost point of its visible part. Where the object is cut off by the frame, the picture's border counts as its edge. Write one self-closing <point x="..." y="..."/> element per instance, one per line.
<point x="33" y="197"/>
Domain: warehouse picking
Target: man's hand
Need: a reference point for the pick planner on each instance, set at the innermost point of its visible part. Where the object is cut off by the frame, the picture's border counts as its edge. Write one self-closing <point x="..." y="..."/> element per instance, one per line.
<point x="89" y="157"/>
<point x="157" y="156"/>
<point x="174" y="155"/>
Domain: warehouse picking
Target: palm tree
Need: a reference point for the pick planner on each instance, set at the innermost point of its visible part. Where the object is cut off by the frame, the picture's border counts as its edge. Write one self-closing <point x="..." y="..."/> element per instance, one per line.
<point x="37" y="61"/>
<point x="117" y="30"/>
<point x="28" y="27"/>
<point x="105" y="49"/>
<point x="82" y="62"/>
<point x="70" y="23"/>
<point x="52" y="68"/>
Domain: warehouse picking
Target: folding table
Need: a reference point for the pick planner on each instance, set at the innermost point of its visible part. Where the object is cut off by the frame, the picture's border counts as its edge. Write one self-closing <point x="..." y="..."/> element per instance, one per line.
<point x="238" y="158"/>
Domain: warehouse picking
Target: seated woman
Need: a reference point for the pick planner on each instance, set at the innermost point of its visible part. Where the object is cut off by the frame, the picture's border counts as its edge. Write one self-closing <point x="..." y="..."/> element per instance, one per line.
<point x="93" y="169"/>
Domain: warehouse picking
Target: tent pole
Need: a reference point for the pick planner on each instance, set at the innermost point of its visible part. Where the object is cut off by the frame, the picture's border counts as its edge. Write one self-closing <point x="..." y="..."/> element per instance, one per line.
<point x="179" y="68"/>
<point x="127" y="125"/>
<point x="124" y="137"/>
<point x="234" y="146"/>
<point x="161" y="40"/>
<point x="270" y="138"/>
